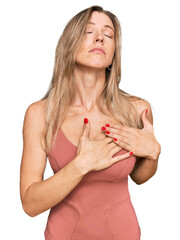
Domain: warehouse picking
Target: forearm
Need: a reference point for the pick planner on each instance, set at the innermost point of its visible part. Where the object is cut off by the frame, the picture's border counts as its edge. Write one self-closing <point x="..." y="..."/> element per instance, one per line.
<point x="43" y="195"/>
<point x="145" y="169"/>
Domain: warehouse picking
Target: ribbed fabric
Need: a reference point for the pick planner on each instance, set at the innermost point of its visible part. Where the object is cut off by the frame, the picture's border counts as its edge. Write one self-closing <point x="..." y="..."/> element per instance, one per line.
<point x="99" y="207"/>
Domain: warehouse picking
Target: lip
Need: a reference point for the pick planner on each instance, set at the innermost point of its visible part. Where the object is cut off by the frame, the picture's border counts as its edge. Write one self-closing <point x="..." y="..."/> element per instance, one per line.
<point x="100" y="50"/>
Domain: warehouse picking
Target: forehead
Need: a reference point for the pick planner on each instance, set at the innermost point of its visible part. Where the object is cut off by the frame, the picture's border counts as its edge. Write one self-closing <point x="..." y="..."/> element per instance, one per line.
<point x="100" y="18"/>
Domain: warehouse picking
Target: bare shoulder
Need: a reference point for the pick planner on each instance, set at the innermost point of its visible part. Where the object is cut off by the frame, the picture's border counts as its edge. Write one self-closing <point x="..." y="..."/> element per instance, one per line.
<point x="141" y="105"/>
<point x="35" y="115"/>
<point x="37" y="107"/>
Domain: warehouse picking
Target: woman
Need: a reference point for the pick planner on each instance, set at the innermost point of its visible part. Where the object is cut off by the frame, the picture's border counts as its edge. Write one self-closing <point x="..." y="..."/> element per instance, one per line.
<point x="88" y="193"/>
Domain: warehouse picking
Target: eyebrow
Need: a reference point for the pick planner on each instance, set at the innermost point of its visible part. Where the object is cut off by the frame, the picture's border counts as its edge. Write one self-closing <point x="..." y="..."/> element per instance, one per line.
<point x="104" y="25"/>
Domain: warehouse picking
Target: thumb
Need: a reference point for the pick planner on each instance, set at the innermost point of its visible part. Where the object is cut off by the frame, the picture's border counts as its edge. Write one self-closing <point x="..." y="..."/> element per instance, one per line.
<point x="145" y="121"/>
<point x="86" y="128"/>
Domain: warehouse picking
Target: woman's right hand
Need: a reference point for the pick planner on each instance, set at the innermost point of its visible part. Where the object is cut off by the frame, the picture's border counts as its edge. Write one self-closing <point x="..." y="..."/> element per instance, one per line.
<point x="97" y="155"/>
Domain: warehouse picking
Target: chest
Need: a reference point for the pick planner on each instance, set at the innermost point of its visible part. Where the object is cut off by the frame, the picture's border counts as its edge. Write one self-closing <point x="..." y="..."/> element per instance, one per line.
<point x="65" y="148"/>
<point x="72" y="127"/>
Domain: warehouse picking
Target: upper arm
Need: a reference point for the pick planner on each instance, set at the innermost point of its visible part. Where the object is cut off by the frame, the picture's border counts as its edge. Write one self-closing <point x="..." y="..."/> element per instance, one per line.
<point x="34" y="157"/>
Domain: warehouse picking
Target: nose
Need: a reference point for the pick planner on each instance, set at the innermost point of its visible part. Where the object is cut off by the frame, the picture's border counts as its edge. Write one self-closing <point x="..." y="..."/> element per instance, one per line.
<point x="99" y="38"/>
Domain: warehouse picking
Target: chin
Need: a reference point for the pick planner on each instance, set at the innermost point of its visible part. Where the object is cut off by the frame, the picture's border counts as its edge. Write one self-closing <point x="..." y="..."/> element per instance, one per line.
<point x="97" y="67"/>
<point x="96" y="64"/>
<point x="92" y="64"/>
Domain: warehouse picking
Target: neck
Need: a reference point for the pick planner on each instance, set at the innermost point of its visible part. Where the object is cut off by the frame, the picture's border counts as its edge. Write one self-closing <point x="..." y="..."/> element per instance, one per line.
<point x="89" y="83"/>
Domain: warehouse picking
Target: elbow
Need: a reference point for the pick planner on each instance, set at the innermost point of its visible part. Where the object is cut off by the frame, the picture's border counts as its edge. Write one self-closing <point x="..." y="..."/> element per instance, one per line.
<point x="139" y="182"/>
<point x="29" y="206"/>
<point x="29" y="211"/>
<point x="136" y="180"/>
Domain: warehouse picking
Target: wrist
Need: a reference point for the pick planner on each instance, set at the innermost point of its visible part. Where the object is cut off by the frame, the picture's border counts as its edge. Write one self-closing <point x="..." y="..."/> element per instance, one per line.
<point x="155" y="155"/>
<point x="80" y="165"/>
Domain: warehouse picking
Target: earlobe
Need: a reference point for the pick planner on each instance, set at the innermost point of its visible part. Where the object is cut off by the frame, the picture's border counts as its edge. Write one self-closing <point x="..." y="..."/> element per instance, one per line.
<point x="110" y="67"/>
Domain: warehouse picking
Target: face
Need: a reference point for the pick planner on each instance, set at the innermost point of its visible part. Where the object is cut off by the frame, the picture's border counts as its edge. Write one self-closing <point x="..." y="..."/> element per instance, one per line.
<point x="99" y="34"/>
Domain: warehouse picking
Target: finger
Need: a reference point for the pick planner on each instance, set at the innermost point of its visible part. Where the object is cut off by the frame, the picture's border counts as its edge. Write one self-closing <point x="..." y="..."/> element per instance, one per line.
<point x="123" y="136"/>
<point x="121" y="157"/>
<point x="86" y="128"/>
<point x="121" y="140"/>
<point x="107" y="140"/>
<point x="123" y="144"/>
<point x="117" y="131"/>
<point x="115" y="149"/>
<point x="122" y="127"/>
<point x="147" y="119"/>
<point x="112" y="145"/>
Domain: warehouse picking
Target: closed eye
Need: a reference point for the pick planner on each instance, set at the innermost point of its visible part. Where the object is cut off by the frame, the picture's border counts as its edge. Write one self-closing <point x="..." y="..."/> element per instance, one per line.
<point x="105" y="34"/>
<point x="108" y="36"/>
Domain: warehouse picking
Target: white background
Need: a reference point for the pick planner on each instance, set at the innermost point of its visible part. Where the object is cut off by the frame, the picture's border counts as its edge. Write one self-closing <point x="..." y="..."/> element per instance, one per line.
<point x="150" y="69"/>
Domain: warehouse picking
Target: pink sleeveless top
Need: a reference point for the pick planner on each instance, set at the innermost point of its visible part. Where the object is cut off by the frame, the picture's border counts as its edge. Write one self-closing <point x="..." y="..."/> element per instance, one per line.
<point x="99" y="207"/>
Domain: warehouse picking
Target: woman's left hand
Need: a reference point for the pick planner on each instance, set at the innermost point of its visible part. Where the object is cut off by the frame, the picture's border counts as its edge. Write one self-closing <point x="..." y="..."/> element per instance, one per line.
<point x="142" y="142"/>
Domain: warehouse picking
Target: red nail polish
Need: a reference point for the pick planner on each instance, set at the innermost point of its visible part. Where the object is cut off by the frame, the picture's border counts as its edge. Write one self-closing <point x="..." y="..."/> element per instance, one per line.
<point x="107" y="132"/>
<point x="85" y="120"/>
<point x="131" y="153"/>
<point x="103" y="128"/>
<point x="115" y="139"/>
<point x="146" y="111"/>
<point x="107" y="125"/>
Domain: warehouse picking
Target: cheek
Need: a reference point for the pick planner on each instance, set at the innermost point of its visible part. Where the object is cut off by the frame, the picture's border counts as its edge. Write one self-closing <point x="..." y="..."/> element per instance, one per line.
<point x="80" y="54"/>
<point x="109" y="56"/>
<point x="83" y="49"/>
<point x="112" y="49"/>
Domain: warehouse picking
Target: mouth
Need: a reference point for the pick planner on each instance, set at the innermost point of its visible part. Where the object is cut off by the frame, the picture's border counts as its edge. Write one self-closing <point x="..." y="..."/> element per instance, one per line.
<point x="97" y="50"/>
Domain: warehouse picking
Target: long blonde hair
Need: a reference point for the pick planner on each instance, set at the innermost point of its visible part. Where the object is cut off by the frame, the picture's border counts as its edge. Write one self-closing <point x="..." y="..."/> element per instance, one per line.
<point x="62" y="89"/>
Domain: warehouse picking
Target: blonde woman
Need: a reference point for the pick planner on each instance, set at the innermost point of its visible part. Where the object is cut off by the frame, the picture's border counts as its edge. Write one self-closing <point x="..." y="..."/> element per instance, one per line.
<point x="94" y="135"/>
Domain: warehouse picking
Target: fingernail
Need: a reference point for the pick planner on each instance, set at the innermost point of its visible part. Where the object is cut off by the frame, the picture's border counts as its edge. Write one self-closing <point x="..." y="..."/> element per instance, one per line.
<point x="103" y="128"/>
<point x="131" y="153"/>
<point x="107" y="125"/>
<point x="85" y="120"/>
<point x="107" y="132"/>
<point x="146" y="111"/>
<point x="115" y="139"/>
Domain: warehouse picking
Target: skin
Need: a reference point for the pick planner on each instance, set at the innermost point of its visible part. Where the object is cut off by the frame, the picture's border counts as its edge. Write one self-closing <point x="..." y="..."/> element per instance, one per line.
<point x="89" y="73"/>
<point x="89" y="77"/>
<point x="141" y="141"/>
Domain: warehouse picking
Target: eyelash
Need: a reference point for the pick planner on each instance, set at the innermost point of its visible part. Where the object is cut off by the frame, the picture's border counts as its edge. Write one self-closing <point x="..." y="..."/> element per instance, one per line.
<point x="105" y="34"/>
